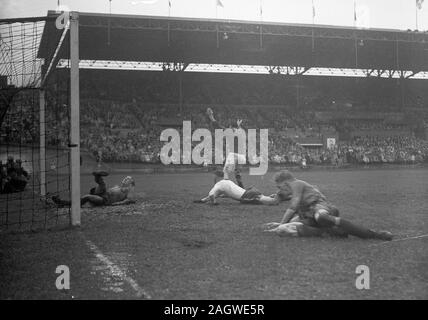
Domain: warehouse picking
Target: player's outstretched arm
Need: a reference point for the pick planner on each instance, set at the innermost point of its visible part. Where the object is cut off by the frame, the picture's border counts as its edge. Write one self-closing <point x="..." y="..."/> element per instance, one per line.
<point x="213" y="121"/>
<point x="269" y="200"/>
<point x="270" y="225"/>
<point x="297" y="191"/>
<point x="285" y="230"/>
<point x="289" y="213"/>
<point x="124" y="202"/>
<point x="210" y="199"/>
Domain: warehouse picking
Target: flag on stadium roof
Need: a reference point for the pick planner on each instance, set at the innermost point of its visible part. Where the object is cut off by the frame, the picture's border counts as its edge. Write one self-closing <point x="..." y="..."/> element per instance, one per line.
<point x="419" y="4"/>
<point x="220" y="4"/>
<point x="355" y="11"/>
<point x="313" y="9"/>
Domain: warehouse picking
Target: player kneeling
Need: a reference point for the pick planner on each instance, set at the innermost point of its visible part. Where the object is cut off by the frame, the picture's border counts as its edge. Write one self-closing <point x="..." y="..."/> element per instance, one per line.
<point x="314" y="215"/>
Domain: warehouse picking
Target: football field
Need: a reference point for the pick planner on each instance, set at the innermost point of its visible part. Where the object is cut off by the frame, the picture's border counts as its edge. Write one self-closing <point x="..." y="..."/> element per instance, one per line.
<point x="167" y="247"/>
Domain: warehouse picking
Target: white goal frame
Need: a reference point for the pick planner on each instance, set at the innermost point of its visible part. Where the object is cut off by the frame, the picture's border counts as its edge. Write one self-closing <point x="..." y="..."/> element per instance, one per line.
<point x="74" y="142"/>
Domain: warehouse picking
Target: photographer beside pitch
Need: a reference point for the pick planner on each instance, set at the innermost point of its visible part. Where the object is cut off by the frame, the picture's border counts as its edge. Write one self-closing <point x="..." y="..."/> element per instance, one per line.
<point x="309" y="213"/>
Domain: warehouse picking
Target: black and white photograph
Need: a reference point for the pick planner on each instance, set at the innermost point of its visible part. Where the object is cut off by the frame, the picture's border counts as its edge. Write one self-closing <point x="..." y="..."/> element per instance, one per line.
<point x="212" y="156"/>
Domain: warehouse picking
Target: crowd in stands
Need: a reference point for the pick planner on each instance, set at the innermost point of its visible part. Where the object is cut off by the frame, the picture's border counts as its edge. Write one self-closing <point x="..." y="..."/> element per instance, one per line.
<point x="129" y="133"/>
<point x="392" y="149"/>
<point x="360" y="150"/>
<point x="17" y="124"/>
<point x="122" y="123"/>
<point x="373" y="125"/>
<point x="126" y="132"/>
<point x="21" y="124"/>
<point x="120" y="132"/>
<point x="13" y="177"/>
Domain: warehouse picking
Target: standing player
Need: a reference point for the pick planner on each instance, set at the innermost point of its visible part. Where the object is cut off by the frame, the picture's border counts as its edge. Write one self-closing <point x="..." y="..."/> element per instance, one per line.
<point x="309" y="207"/>
<point x="231" y="166"/>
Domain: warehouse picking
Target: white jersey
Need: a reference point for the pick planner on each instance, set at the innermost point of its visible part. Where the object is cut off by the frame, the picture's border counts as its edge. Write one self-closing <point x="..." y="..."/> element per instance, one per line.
<point x="228" y="188"/>
<point x="232" y="160"/>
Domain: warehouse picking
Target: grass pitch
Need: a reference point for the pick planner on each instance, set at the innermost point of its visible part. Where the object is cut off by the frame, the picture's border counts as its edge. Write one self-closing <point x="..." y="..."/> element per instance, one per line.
<point x="170" y="248"/>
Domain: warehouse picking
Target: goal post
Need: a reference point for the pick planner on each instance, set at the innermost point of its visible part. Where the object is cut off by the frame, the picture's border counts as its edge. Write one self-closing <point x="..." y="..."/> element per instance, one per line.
<point x="74" y="118"/>
<point x="39" y="122"/>
<point x="42" y="143"/>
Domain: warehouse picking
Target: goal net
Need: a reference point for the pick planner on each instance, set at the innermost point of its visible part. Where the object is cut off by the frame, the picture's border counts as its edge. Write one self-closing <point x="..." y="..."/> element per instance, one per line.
<point x="35" y="164"/>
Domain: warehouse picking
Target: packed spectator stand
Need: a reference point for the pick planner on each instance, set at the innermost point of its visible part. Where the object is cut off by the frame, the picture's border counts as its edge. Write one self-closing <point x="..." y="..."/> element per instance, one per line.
<point x="122" y="123"/>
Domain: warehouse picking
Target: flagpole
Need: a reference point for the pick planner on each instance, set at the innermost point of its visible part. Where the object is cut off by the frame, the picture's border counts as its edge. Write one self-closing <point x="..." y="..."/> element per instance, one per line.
<point x="313" y="13"/>
<point x="313" y="24"/>
<point x="261" y="25"/>
<point x="108" y="30"/>
<point x="216" y="23"/>
<point x="416" y="11"/>
<point x="355" y="25"/>
<point x="355" y="14"/>
<point x="169" y="16"/>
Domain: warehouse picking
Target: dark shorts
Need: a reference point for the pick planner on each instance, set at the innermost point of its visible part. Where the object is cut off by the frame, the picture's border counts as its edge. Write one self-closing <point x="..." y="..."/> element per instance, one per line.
<point x="251" y="196"/>
<point x="308" y="213"/>
<point x="101" y="191"/>
<point x="105" y="197"/>
<point x="219" y="173"/>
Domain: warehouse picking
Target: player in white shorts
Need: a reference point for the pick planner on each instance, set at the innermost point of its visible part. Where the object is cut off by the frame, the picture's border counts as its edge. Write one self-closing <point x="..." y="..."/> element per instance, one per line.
<point x="229" y="189"/>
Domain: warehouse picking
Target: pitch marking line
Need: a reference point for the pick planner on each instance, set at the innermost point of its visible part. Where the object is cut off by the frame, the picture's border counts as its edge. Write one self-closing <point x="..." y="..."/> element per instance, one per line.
<point x="114" y="269"/>
<point x="402" y="239"/>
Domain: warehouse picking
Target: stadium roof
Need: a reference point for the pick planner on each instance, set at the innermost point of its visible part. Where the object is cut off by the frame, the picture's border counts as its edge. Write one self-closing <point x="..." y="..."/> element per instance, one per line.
<point x="185" y="40"/>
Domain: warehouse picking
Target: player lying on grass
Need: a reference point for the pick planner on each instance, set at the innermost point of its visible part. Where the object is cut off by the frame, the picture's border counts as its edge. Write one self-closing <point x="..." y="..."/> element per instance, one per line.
<point x="101" y="196"/>
<point x="310" y="214"/>
<point x="229" y="189"/>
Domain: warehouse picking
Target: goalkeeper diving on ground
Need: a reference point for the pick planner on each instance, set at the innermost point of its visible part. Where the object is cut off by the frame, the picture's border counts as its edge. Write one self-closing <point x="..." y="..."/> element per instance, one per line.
<point x="102" y="196"/>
